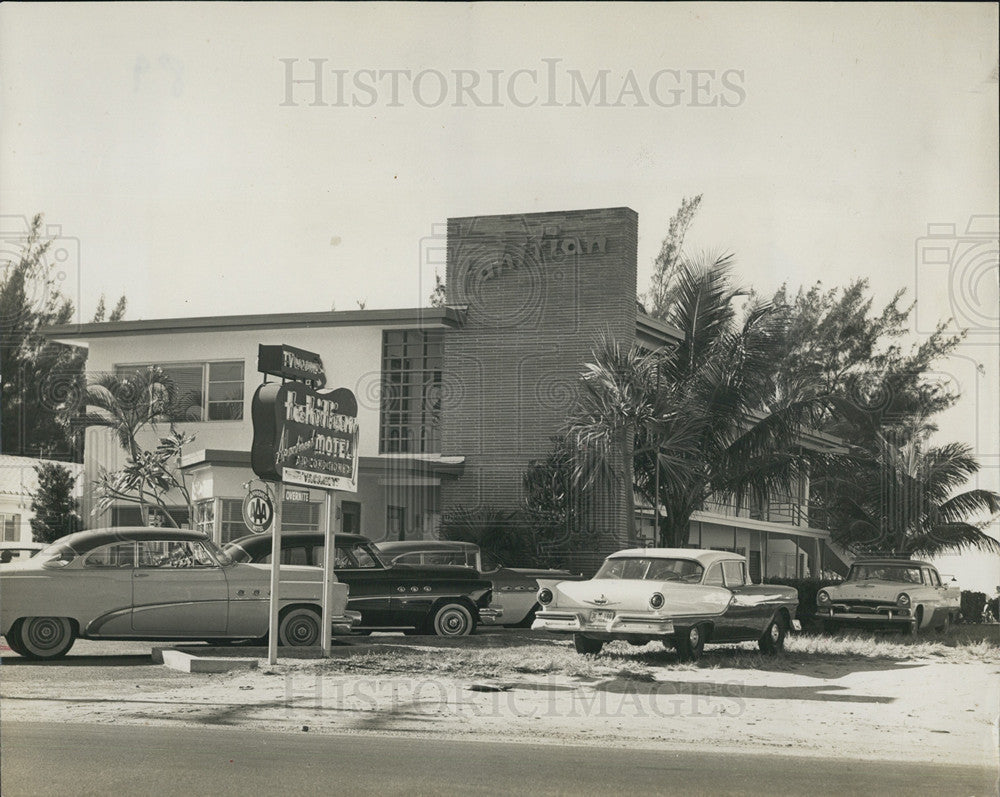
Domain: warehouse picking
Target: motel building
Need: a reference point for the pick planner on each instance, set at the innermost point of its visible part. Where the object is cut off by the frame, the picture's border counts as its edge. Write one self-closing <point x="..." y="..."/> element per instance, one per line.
<point x="454" y="402"/>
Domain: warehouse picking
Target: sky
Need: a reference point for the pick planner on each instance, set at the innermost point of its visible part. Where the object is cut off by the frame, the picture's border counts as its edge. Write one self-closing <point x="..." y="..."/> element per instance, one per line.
<point x="187" y="156"/>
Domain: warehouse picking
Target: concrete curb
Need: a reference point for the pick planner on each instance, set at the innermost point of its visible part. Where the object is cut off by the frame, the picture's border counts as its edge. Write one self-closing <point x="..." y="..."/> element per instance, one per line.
<point x="185" y="662"/>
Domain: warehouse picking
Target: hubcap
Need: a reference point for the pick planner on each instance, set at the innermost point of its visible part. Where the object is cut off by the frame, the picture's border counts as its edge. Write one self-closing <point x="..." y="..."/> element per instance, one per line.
<point x="694" y="636"/>
<point x="775" y="632"/>
<point x="302" y="632"/>
<point x="45" y="633"/>
<point x="452" y="623"/>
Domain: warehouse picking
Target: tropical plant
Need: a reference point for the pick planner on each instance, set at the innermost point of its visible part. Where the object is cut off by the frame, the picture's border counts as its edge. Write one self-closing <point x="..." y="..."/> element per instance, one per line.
<point x="833" y="343"/>
<point x="127" y="405"/>
<point x="55" y="510"/>
<point x="41" y="381"/>
<point x="663" y="284"/>
<point x="502" y="533"/>
<point x="147" y="478"/>
<point x="556" y="506"/>
<point x="901" y="497"/>
<point x="699" y="419"/>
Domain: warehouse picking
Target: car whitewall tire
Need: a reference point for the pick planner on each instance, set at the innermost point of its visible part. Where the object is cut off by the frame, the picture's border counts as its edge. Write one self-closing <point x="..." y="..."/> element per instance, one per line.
<point x="43" y="637"/>
<point x="452" y="619"/>
<point x="299" y="628"/>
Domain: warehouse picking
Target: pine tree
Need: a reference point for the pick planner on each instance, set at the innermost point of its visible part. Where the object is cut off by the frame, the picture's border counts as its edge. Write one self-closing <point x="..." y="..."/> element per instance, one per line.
<point x="56" y="510"/>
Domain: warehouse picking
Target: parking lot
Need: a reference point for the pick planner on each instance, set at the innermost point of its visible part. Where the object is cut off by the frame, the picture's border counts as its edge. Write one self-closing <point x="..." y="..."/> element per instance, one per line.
<point x="935" y="701"/>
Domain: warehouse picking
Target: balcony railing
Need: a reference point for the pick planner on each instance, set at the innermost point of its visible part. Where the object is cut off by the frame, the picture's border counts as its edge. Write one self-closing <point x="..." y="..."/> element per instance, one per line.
<point x="792" y="513"/>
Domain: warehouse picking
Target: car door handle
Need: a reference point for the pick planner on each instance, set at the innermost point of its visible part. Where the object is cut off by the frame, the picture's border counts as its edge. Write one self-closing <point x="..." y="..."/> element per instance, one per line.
<point x="140" y="575"/>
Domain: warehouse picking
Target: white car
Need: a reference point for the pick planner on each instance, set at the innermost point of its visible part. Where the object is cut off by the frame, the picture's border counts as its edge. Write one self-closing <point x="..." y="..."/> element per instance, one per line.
<point x="154" y="584"/>
<point x="891" y="592"/>
<point x="680" y="596"/>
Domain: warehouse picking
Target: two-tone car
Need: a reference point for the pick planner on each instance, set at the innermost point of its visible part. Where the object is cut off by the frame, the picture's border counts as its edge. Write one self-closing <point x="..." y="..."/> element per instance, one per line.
<point x="906" y="594"/>
<point x="417" y="599"/>
<point x="682" y="597"/>
<point x="514" y="588"/>
<point x="154" y="584"/>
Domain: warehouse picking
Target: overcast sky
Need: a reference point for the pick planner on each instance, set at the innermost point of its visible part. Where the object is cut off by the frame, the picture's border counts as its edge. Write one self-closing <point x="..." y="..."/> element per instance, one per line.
<point x="168" y="144"/>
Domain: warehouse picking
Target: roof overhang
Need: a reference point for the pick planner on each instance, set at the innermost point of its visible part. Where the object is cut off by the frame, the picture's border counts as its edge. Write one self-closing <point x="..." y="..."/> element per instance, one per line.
<point x="420" y="317"/>
<point x="654" y="334"/>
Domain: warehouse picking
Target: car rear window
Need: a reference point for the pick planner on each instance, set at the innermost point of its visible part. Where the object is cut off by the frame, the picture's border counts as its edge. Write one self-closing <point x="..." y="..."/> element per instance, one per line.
<point x="56" y="555"/>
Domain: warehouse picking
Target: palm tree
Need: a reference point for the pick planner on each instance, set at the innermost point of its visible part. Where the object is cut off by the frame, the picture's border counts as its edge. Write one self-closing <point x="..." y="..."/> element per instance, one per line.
<point x="900" y="495"/>
<point x="700" y="419"/>
<point x="127" y="404"/>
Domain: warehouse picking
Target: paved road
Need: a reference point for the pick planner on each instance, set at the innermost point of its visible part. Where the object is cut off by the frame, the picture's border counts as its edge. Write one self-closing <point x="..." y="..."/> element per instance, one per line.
<point x="69" y="760"/>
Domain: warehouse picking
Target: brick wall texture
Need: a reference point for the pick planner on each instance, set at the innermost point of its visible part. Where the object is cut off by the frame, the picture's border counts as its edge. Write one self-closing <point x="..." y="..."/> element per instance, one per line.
<point x="540" y="288"/>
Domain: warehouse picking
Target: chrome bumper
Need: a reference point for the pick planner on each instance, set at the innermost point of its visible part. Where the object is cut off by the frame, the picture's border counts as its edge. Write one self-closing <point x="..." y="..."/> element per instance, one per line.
<point x="490" y="615"/>
<point x="621" y="625"/>
<point x="344" y="624"/>
<point x="883" y="614"/>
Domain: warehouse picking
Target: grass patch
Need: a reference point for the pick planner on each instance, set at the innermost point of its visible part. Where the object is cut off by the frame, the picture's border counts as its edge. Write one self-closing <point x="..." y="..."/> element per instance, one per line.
<point x="557" y="657"/>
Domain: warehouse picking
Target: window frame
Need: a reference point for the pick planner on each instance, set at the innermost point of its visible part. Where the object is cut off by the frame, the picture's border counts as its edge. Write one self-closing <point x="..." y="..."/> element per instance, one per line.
<point x="742" y="569"/>
<point x="90" y="556"/>
<point x="127" y="369"/>
<point x="708" y="574"/>
<point x="412" y="366"/>
<point x="10" y="522"/>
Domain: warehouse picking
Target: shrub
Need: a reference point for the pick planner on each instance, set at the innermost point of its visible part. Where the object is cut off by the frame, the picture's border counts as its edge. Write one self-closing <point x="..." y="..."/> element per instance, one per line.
<point x="807" y="587"/>
<point x="994" y="606"/>
<point x="500" y="532"/>
<point x="973" y="604"/>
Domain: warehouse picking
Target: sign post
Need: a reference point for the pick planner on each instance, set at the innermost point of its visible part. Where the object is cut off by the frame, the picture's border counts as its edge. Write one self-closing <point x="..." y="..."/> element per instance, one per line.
<point x="275" y="605"/>
<point x="329" y="560"/>
<point x="304" y="436"/>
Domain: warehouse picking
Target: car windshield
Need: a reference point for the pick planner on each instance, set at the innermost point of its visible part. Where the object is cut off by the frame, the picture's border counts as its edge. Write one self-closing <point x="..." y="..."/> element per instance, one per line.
<point x="222" y="556"/>
<point x="651" y="569"/>
<point x="880" y="572"/>
<point x="236" y="553"/>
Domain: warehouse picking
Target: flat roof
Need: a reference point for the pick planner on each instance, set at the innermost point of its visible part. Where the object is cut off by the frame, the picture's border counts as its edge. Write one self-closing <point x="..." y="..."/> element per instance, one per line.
<point x="430" y="317"/>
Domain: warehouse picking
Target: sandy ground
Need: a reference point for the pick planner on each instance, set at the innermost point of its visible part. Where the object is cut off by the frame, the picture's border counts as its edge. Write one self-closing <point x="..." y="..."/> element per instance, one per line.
<point x="919" y="710"/>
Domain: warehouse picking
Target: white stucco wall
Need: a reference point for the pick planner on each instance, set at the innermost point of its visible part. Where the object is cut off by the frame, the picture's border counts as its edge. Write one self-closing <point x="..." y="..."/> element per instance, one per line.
<point x="351" y="358"/>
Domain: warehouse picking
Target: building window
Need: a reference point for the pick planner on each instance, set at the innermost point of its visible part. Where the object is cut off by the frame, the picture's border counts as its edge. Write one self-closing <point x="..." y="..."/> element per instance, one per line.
<point x="204" y="517"/>
<point x="231" y="524"/>
<point x="205" y="391"/>
<point x="410" y="421"/>
<point x="297" y="516"/>
<point x="350" y="512"/>
<point x="11" y="527"/>
<point x="395" y="522"/>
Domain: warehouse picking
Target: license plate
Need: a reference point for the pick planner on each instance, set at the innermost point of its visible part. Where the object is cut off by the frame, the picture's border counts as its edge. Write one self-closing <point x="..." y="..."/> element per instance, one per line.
<point x="601" y="616"/>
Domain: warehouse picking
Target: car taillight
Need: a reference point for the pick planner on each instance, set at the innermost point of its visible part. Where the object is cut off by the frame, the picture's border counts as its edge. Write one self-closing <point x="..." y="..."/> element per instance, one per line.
<point x="545" y="596"/>
<point x="656" y="600"/>
<point x="903" y="600"/>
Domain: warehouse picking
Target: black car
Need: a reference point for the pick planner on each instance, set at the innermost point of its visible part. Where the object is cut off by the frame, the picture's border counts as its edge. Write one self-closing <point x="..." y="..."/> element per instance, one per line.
<point x="417" y="599"/>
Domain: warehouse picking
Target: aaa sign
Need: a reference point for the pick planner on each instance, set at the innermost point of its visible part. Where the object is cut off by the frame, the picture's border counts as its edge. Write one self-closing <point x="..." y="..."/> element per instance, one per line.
<point x="305" y="436"/>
